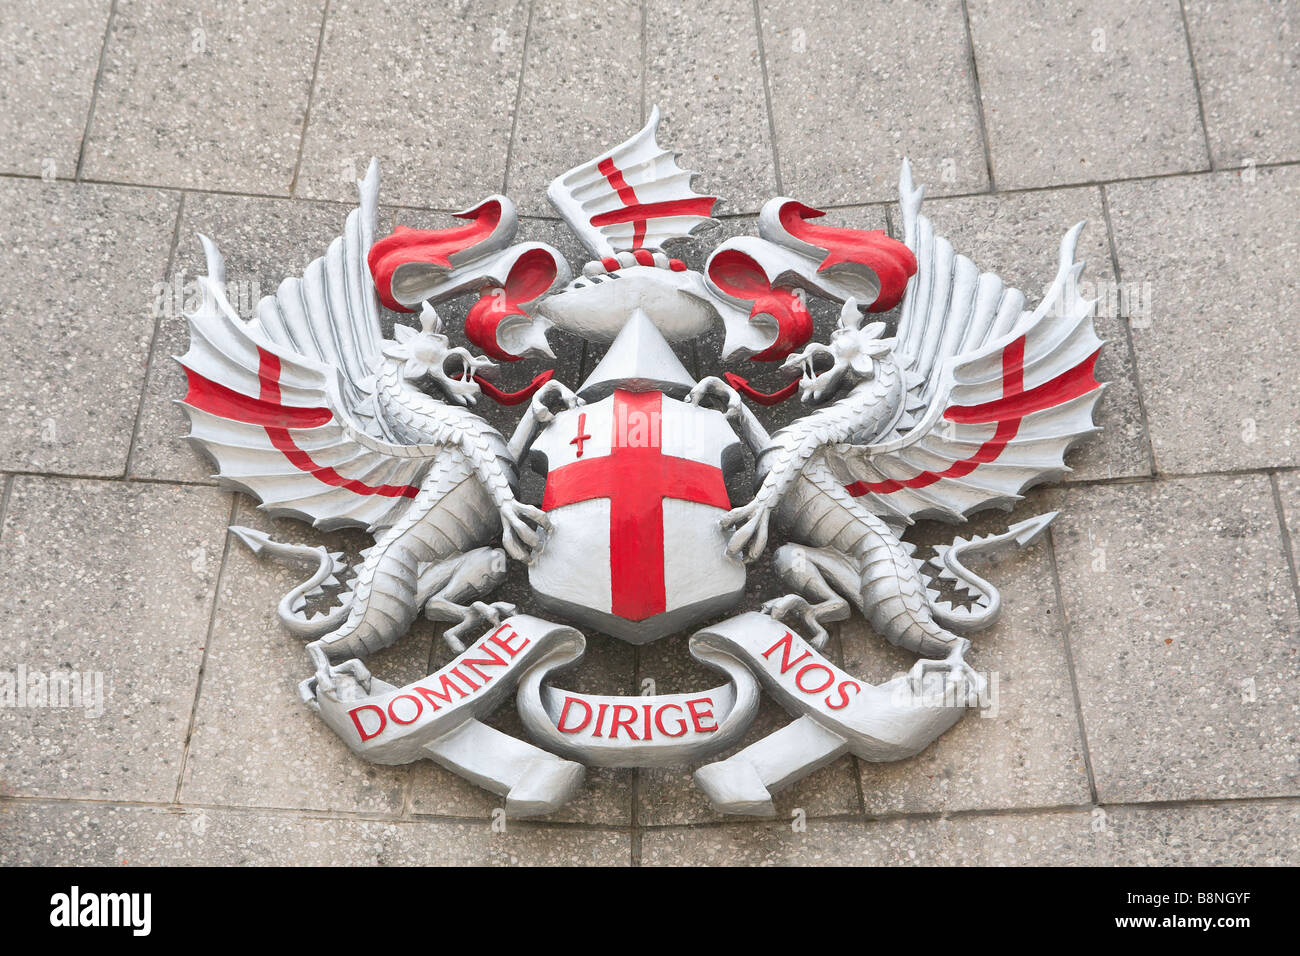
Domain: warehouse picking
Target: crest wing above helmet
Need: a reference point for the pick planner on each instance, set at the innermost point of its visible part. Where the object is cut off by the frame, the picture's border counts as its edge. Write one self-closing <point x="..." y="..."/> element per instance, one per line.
<point x="998" y="394"/>
<point x="634" y="196"/>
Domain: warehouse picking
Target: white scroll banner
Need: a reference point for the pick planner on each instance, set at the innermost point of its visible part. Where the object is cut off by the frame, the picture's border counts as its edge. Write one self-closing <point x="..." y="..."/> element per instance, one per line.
<point x="653" y="731"/>
<point x="437" y="717"/>
<point x="835" y="712"/>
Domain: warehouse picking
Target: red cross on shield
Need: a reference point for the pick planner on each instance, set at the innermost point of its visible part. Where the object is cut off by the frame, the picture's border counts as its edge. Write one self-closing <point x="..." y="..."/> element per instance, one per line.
<point x="635" y="488"/>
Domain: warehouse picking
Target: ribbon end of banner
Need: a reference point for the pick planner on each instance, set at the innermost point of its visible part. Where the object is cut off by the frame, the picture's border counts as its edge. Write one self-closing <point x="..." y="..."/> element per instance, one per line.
<point x="735" y="786"/>
<point x="545" y="785"/>
<point x="533" y="781"/>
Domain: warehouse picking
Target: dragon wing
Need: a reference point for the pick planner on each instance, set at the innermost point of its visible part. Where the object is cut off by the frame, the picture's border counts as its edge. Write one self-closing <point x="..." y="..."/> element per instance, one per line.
<point x="998" y="393"/>
<point x="331" y="313"/>
<point x="283" y="403"/>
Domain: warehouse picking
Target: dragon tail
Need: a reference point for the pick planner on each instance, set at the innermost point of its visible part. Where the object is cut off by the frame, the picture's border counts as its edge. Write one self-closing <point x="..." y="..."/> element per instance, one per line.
<point x="895" y="590"/>
<point x="453" y="514"/>
<point x="330" y="567"/>
<point x="948" y="565"/>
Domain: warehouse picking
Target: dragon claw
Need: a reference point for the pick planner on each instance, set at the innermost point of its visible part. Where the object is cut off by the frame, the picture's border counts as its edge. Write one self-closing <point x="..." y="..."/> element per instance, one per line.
<point x="556" y="394"/>
<point x="794" y="609"/>
<point x="479" y="615"/>
<point x="961" y="676"/>
<point x="750" y="537"/>
<point x="714" y="387"/>
<point x="347" y="681"/>
<point x="523" y="540"/>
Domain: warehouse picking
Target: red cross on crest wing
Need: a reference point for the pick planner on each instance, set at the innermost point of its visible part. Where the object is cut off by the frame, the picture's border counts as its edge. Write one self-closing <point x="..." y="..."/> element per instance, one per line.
<point x="998" y="394"/>
<point x="633" y="197"/>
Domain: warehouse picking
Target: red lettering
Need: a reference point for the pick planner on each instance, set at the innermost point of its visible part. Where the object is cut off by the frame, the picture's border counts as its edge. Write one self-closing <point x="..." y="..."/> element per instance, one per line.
<point x="504" y="643"/>
<point x="473" y="662"/>
<point x="696" y="716"/>
<point x="844" y="696"/>
<point x="787" y="645"/>
<point x="625" y="722"/>
<point x="456" y="670"/>
<point x="798" y="678"/>
<point x="361" y="731"/>
<point x="659" y="721"/>
<point x="419" y="709"/>
<point x="448" y="685"/>
<point x="577" y="713"/>
<point x="568" y="701"/>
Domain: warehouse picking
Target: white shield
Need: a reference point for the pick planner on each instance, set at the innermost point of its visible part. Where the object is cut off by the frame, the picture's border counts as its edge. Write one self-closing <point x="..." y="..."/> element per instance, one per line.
<point x="635" y="487"/>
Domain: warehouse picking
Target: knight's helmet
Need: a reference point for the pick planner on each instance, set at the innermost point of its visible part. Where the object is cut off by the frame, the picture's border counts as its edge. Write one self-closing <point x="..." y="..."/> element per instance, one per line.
<point x="624" y="205"/>
<point x="638" y="360"/>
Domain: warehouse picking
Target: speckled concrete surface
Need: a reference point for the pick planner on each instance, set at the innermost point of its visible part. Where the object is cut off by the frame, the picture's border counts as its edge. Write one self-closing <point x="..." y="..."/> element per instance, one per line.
<point x="1149" y="654"/>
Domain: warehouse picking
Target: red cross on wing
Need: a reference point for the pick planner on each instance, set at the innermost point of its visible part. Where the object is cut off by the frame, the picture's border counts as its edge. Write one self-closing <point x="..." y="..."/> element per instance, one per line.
<point x="999" y="393"/>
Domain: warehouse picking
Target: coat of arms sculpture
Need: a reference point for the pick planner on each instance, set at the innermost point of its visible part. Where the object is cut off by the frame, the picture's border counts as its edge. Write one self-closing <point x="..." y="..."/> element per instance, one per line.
<point x="638" y="532"/>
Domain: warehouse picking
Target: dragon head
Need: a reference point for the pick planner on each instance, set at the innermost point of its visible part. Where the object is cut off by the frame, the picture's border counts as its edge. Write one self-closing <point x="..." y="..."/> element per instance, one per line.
<point x="428" y="352"/>
<point x="850" y="358"/>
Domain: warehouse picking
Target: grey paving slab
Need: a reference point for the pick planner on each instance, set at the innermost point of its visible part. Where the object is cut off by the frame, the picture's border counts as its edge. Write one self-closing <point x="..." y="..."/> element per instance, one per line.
<point x="1076" y="92"/>
<point x="1018" y="236"/>
<point x="1288" y="494"/>
<point x="263" y="241"/>
<point x="1024" y="749"/>
<point x="211" y="97"/>
<point x="1248" y="64"/>
<point x="1215" y="358"/>
<point x="83" y="835"/>
<point x="1249" y="833"/>
<point x="1245" y="834"/>
<point x="856" y="88"/>
<point x="79" y="264"/>
<point x="1184" y="631"/>
<point x="581" y="93"/>
<point x="111" y="579"/>
<point x="48" y="59"/>
<point x="255" y="743"/>
<point x="428" y="88"/>
<point x="705" y="74"/>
